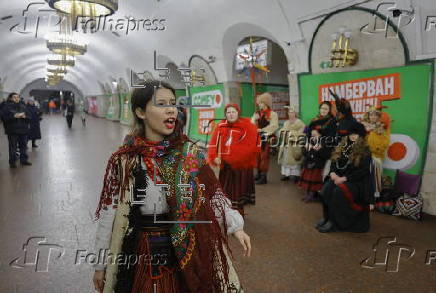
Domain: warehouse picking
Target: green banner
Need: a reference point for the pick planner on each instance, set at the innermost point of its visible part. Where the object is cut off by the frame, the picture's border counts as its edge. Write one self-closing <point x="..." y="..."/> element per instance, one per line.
<point x="247" y="101"/>
<point x="203" y="119"/>
<point x="406" y="91"/>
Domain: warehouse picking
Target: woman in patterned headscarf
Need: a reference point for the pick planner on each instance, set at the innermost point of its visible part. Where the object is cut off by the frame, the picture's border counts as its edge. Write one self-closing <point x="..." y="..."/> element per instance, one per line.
<point x="162" y="214"/>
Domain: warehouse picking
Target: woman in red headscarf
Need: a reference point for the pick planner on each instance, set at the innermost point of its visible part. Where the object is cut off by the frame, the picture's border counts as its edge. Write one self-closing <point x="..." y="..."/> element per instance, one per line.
<point x="234" y="147"/>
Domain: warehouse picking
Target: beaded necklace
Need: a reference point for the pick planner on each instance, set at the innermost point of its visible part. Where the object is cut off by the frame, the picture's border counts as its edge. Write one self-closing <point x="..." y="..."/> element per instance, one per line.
<point x="346" y="154"/>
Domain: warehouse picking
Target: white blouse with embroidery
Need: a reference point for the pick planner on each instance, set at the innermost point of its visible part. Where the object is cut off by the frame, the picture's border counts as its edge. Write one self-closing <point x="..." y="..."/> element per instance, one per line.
<point x="154" y="202"/>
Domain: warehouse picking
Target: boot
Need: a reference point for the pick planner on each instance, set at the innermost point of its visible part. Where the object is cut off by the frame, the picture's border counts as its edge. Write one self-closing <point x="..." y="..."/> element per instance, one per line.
<point x="327" y="227"/>
<point x="251" y="199"/>
<point x="309" y="197"/>
<point x="320" y="223"/>
<point x="262" y="179"/>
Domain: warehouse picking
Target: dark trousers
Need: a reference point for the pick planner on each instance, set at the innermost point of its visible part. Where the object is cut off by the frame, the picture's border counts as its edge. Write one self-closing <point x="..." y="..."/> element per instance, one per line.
<point x="17" y="141"/>
<point x="69" y="120"/>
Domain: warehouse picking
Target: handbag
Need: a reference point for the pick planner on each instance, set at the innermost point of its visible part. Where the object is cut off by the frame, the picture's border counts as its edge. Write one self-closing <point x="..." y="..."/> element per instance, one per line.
<point x="409" y="206"/>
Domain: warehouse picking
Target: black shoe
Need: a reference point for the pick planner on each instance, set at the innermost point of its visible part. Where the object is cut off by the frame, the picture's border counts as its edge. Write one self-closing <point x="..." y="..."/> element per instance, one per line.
<point x="320" y="223"/>
<point x="26" y="163"/>
<point x="284" y="178"/>
<point x="251" y="201"/>
<point x="262" y="179"/>
<point x="257" y="177"/>
<point x="34" y="146"/>
<point x="327" y="227"/>
<point x="13" y="166"/>
<point x="309" y="197"/>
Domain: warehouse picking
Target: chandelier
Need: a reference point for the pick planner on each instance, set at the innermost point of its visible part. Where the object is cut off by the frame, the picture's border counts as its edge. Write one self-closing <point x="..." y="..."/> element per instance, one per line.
<point x="85" y="8"/>
<point x="53" y="79"/>
<point x="65" y="42"/>
<point x="65" y="45"/>
<point x="61" y="60"/>
<point x="56" y="69"/>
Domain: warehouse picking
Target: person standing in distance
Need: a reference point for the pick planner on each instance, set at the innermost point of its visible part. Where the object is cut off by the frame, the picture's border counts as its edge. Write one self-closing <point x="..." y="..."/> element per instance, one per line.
<point x="16" y="118"/>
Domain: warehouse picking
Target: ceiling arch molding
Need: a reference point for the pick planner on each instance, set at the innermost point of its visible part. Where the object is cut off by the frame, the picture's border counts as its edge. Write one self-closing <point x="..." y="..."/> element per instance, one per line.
<point x="40" y="84"/>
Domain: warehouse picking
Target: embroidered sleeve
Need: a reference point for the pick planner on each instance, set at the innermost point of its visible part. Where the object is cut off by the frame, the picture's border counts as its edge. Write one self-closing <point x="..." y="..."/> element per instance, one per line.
<point x="234" y="220"/>
<point x="103" y="236"/>
<point x="109" y="196"/>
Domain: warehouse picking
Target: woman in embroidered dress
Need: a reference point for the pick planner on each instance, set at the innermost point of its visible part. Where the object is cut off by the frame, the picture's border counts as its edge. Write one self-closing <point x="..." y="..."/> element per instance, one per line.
<point x="377" y="125"/>
<point x="163" y="219"/>
<point x="233" y="147"/>
<point x="290" y="153"/>
<point x="349" y="191"/>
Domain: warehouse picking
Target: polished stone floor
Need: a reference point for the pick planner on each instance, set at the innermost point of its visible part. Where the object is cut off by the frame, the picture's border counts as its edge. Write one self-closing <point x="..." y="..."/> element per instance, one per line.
<point x="46" y="220"/>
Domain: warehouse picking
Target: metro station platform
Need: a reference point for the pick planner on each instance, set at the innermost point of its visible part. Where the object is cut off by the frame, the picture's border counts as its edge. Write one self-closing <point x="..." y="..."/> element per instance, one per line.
<point x="46" y="213"/>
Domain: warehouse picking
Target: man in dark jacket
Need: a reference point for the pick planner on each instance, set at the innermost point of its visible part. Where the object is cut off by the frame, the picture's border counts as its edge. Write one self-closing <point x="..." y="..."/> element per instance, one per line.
<point x="69" y="112"/>
<point x="15" y="116"/>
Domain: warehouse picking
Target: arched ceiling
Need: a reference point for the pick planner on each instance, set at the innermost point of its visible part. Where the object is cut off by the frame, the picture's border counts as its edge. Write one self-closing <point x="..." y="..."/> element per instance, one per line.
<point x="192" y="27"/>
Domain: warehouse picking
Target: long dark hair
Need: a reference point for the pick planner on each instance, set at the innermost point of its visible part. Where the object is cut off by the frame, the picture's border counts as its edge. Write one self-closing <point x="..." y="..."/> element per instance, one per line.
<point x="359" y="150"/>
<point x="140" y="98"/>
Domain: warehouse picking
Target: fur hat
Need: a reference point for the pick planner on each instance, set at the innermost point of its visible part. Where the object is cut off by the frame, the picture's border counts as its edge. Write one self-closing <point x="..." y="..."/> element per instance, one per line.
<point x="265" y="98"/>
<point x="342" y="105"/>
<point x="357" y="128"/>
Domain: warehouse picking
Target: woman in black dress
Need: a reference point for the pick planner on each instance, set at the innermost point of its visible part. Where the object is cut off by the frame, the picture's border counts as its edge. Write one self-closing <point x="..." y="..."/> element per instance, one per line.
<point x="349" y="191"/>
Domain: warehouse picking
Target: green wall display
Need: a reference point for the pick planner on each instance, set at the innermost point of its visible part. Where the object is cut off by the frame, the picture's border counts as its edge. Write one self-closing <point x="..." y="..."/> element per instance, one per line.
<point x="406" y="91"/>
<point x="212" y="98"/>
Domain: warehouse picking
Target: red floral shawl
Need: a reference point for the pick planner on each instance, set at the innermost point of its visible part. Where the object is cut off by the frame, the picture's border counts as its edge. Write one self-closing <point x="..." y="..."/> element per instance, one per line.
<point x="198" y="247"/>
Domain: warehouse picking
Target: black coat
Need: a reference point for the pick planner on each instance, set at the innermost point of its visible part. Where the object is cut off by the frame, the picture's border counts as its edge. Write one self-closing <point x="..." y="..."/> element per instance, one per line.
<point x="359" y="178"/>
<point x="15" y="125"/>
<point x="347" y="205"/>
<point x="35" y="117"/>
<point x="316" y="159"/>
<point x="344" y="126"/>
<point x="69" y="110"/>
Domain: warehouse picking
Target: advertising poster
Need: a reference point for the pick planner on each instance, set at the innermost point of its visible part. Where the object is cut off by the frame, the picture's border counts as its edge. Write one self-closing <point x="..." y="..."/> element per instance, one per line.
<point x="208" y="102"/>
<point x="405" y="91"/>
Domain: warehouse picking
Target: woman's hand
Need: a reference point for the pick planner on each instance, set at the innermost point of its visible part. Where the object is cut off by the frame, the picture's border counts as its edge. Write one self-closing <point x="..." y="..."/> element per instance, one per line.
<point x="333" y="176"/>
<point x="244" y="239"/>
<point x="98" y="280"/>
<point x="340" y="180"/>
<point x="217" y="161"/>
<point x="256" y="116"/>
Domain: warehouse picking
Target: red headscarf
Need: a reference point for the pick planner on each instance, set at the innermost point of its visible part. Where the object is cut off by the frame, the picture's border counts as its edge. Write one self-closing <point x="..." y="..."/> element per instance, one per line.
<point x="238" y="142"/>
